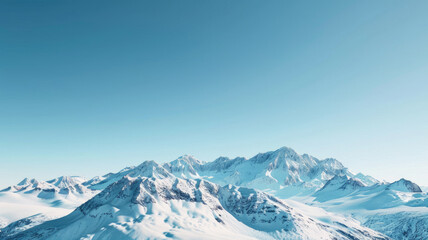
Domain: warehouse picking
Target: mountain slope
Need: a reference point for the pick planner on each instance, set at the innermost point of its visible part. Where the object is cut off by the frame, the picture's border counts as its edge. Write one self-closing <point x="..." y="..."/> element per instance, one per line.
<point x="178" y="200"/>
<point x="53" y="198"/>
<point x="163" y="207"/>
<point x="282" y="172"/>
<point x="146" y="169"/>
<point x="398" y="209"/>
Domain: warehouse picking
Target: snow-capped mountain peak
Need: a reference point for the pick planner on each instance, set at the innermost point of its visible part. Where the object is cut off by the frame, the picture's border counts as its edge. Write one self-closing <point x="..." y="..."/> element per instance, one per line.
<point x="27" y="185"/>
<point x="150" y="207"/>
<point x="281" y="170"/>
<point x="343" y="182"/>
<point x="149" y="169"/>
<point x="404" y="185"/>
<point x="27" y="181"/>
<point x="184" y="166"/>
<point x="335" y="182"/>
<point x="280" y="155"/>
<point x="45" y="188"/>
<point x="145" y="169"/>
<point x="332" y="164"/>
<point x="366" y="179"/>
<point x="174" y="194"/>
<point x="338" y="186"/>
<point x="189" y="159"/>
<point x="66" y="181"/>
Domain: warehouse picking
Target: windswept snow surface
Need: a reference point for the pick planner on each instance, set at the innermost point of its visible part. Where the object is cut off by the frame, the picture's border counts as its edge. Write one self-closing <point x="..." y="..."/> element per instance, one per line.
<point x="398" y="209"/>
<point x="15" y="206"/>
<point x="52" y="199"/>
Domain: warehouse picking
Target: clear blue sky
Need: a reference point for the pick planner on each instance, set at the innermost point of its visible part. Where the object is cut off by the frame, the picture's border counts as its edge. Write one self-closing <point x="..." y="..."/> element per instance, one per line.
<point x="88" y="87"/>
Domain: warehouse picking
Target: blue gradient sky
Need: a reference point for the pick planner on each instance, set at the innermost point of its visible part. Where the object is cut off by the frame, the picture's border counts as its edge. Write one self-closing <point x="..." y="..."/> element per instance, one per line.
<point x="88" y="87"/>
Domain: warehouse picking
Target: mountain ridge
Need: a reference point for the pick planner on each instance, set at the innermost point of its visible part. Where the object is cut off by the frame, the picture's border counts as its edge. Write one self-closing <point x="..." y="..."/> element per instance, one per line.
<point x="134" y="202"/>
<point x="282" y="173"/>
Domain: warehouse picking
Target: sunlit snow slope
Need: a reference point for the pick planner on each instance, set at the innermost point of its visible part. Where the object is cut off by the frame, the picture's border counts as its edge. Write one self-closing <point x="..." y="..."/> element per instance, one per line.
<point x="275" y="195"/>
<point x="163" y="206"/>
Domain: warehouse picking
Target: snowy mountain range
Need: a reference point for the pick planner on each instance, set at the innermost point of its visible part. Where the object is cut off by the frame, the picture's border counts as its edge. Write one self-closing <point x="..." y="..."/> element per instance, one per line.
<point x="274" y="195"/>
<point x="283" y="172"/>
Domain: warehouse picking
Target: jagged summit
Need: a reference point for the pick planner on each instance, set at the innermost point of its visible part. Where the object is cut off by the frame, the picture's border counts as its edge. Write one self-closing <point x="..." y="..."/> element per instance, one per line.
<point x="27" y="181"/>
<point x="235" y="197"/>
<point x="222" y="163"/>
<point x="335" y="182"/>
<point x="281" y="170"/>
<point x="184" y="166"/>
<point x="69" y="184"/>
<point x="353" y="184"/>
<point x="61" y="191"/>
<point x="332" y="163"/>
<point x="149" y="169"/>
<point x="170" y="207"/>
<point x="66" y="181"/>
<point x="189" y="159"/>
<point x="404" y="185"/>
<point x="338" y="186"/>
<point x="368" y="180"/>
<point x="277" y="155"/>
<point x="145" y="169"/>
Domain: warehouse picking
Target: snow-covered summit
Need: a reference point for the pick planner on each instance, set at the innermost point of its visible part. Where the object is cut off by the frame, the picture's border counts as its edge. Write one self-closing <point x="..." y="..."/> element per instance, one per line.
<point x="282" y="170"/>
<point x="331" y="164"/>
<point x="170" y="207"/>
<point x="160" y="201"/>
<point x="145" y="169"/>
<point x="69" y="184"/>
<point x="63" y="185"/>
<point x="343" y="183"/>
<point x="184" y="166"/>
<point x="27" y="185"/>
<point x="66" y="181"/>
<point x="222" y="163"/>
<point x="404" y="185"/>
<point x="338" y="186"/>
<point x="27" y="181"/>
<point x="366" y="179"/>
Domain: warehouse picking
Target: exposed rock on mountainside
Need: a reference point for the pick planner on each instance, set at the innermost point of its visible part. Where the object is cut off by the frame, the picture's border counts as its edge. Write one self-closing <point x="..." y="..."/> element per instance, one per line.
<point x="165" y="206"/>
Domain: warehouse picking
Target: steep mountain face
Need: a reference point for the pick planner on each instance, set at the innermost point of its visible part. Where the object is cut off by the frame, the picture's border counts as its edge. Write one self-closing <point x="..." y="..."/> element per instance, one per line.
<point x="366" y="179"/>
<point x="338" y="186"/>
<point x="404" y="185"/>
<point x="403" y="224"/>
<point x="187" y="198"/>
<point x="283" y="172"/>
<point x="170" y="207"/>
<point x="185" y="166"/>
